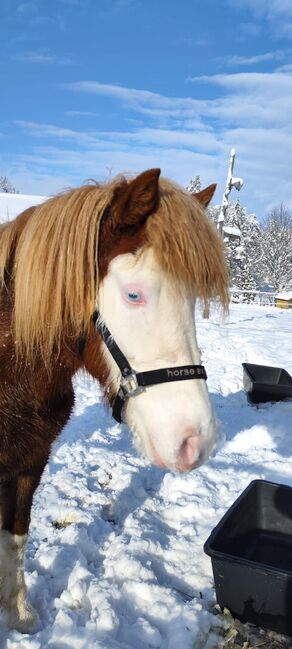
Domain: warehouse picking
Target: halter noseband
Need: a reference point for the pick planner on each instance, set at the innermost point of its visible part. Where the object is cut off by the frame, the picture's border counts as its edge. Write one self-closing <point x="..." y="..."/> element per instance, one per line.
<point x="133" y="383"/>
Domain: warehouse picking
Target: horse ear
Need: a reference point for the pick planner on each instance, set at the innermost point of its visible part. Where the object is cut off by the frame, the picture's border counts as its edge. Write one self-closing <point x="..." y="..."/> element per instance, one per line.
<point x="136" y="200"/>
<point x="205" y="195"/>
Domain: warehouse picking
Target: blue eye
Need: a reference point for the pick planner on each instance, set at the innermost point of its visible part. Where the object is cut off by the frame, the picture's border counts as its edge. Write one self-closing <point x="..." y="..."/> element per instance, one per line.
<point x="134" y="296"/>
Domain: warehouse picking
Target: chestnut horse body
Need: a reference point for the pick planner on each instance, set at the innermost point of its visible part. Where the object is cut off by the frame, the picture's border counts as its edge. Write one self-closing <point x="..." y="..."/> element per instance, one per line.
<point x="140" y="251"/>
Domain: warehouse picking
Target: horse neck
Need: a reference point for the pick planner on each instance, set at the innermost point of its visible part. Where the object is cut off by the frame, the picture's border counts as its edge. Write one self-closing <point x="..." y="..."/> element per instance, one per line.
<point x="91" y="357"/>
<point x="81" y="353"/>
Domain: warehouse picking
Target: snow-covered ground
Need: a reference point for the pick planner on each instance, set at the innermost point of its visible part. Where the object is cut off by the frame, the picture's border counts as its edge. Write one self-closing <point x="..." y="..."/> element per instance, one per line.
<point x="115" y="555"/>
<point x="12" y="204"/>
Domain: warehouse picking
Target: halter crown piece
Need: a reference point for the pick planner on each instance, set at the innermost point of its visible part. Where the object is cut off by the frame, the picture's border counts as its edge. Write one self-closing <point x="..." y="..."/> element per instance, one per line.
<point x="133" y="383"/>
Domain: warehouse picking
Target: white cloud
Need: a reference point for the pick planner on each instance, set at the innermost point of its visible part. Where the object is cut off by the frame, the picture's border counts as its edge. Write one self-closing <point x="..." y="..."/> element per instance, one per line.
<point x="269" y="9"/>
<point x="277" y="55"/>
<point x="182" y="135"/>
<point x="163" y="138"/>
<point x="25" y="8"/>
<point x="276" y="13"/>
<point x="260" y="98"/>
<point x="150" y="104"/>
<point x="118" y="92"/>
<point x="251" y="80"/>
<point x="41" y="56"/>
<point x="80" y="113"/>
<point x="50" y="169"/>
<point x="263" y="99"/>
<point x="50" y="130"/>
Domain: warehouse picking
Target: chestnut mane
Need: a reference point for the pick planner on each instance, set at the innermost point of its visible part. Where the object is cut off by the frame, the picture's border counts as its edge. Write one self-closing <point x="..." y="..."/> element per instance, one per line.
<point x="49" y="259"/>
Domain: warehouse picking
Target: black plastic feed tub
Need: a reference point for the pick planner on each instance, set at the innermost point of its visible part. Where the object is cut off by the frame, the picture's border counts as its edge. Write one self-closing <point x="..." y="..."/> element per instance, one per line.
<point x="264" y="383"/>
<point x="251" y="552"/>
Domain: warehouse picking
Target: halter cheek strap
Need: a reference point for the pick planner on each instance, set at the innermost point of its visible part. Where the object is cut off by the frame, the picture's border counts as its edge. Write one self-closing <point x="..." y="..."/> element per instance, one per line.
<point x="133" y="383"/>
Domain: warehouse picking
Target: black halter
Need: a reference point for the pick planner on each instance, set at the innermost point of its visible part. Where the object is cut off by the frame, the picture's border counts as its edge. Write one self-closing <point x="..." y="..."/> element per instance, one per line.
<point x="133" y="383"/>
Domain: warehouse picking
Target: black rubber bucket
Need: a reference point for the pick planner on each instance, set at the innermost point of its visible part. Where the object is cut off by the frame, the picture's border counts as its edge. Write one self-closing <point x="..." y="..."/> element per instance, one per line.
<point x="251" y="553"/>
<point x="264" y="383"/>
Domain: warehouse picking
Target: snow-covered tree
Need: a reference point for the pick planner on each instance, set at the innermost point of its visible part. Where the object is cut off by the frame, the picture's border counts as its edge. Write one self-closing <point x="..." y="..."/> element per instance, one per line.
<point x="276" y="248"/>
<point x="6" y="187"/>
<point x="194" y="186"/>
<point x="241" y="237"/>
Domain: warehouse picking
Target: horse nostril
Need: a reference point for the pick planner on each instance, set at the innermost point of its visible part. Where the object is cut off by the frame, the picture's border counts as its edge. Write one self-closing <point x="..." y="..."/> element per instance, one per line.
<point x="189" y="452"/>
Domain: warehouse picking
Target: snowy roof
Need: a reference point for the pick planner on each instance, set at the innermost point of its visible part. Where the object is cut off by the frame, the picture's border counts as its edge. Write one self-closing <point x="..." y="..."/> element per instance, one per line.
<point x="231" y="231"/>
<point x="285" y="295"/>
<point x="12" y="204"/>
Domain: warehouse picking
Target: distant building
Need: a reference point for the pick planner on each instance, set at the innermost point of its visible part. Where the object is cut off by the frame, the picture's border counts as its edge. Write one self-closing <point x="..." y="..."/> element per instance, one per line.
<point x="284" y="300"/>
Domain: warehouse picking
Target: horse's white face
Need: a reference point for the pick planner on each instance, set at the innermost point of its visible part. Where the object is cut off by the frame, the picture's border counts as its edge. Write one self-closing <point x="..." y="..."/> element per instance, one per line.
<point x="152" y="322"/>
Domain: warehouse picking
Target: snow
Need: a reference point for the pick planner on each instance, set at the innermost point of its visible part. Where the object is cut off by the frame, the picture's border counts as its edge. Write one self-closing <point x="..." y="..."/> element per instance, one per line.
<point x="286" y="295"/>
<point x="232" y="231"/>
<point x="115" y="553"/>
<point x="12" y="204"/>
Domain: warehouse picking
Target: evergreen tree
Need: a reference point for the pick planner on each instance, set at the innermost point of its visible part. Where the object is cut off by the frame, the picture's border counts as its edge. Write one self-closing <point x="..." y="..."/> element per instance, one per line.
<point x="241" y="238"/>
<point x="194" y="186"/>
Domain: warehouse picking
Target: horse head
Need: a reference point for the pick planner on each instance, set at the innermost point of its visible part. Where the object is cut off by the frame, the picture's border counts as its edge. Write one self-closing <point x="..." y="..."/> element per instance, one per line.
<point x="158" y="252"/>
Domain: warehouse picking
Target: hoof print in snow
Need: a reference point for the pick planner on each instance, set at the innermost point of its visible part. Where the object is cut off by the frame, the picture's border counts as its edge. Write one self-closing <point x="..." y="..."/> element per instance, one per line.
<point x="108" y="514"/>
<point x="60" y="525"/>
<point x="103" y="477"/>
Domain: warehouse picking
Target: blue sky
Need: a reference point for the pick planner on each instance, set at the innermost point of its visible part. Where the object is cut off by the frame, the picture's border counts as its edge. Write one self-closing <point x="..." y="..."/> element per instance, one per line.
<point x="97" y="87"/>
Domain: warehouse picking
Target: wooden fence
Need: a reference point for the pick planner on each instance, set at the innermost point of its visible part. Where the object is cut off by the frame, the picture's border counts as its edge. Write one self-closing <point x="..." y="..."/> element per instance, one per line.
<point x="261" y="298"/>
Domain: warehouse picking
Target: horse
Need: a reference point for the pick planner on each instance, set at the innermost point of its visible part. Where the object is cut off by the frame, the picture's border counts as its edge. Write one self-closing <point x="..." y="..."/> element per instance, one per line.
<point x="103" y="277"/>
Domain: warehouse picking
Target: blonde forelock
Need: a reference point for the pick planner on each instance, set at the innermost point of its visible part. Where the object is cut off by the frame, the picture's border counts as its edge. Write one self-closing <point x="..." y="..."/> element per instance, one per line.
<point x="187" y="245"/>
